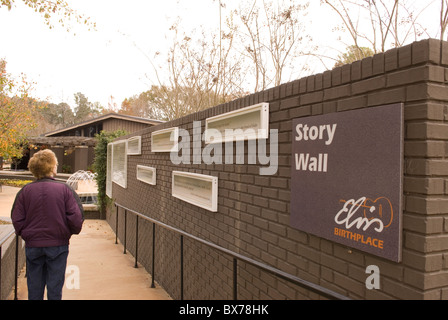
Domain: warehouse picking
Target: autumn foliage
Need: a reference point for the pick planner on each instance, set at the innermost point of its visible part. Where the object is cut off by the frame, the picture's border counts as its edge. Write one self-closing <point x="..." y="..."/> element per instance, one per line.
<point x="17" y="110"/>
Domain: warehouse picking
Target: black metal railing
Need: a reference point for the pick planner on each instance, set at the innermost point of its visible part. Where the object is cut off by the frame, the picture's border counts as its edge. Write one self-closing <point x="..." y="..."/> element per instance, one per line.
<point x="16" y="260"/>
<point x="322" y="291"/>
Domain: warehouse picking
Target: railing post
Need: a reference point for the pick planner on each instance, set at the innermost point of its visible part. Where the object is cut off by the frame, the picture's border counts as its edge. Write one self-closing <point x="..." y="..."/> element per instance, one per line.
<point x="0" y="271"/>
<point x="235" y="279"/>
<point x="153" y="253"/>
<point x="181" y="267"/>
<point x="136" y="241"/>
<point x="125" y="229"/>
<point x="116" y="226"/>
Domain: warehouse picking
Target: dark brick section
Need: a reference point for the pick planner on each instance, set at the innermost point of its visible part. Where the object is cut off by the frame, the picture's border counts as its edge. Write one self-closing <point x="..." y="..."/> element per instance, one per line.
<point x="253" y="210"/>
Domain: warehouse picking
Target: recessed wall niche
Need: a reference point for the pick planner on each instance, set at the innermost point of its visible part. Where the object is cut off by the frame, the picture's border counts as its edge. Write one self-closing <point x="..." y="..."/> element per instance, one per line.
<point x="119" y="163"/>
<point x="165" y="140"/>
<point x="146" y="174"/>
<point x="198" y="189"/>
<point x="135" y="146"/>
<point x="248" y="123"/>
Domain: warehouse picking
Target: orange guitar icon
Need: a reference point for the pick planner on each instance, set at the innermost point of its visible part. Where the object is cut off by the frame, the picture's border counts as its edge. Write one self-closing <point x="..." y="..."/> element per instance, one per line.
<point x="380" y="208"/>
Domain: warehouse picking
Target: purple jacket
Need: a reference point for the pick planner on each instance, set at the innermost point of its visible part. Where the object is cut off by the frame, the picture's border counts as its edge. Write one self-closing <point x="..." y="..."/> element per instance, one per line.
<point x="46" y="213"/>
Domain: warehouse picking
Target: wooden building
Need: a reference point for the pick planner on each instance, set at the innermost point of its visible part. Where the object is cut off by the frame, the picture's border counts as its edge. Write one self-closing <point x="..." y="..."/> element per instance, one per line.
<point x="74" y="146"/>
<point x="108" y="122"/>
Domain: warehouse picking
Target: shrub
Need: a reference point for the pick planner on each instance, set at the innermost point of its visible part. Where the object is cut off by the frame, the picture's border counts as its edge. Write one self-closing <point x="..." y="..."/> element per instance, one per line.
<point x="14" y="183"/>
<point x="100" y="165"/>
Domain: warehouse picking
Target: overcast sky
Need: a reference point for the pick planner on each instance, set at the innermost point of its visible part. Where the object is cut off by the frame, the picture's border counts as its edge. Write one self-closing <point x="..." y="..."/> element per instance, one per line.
<point x="111" y="61"/>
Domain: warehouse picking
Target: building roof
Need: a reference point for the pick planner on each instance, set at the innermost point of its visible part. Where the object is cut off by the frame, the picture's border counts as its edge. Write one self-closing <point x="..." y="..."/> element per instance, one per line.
<point x="63" y="141"/>
<point x="103" y="118"/>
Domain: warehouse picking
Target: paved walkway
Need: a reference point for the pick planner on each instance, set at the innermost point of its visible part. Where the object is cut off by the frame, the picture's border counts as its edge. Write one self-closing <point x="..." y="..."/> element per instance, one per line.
<point x="7" y="196"/>
<point x="105" y="273"/>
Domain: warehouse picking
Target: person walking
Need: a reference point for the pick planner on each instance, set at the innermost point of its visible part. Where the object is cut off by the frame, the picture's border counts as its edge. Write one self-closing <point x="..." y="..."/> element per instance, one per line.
<point x="46" y="213"/>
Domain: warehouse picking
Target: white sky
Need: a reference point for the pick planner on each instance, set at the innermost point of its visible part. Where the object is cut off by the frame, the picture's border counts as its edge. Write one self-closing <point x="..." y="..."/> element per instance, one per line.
<point x="110" y="61"/>
<point x="99" y="63"/>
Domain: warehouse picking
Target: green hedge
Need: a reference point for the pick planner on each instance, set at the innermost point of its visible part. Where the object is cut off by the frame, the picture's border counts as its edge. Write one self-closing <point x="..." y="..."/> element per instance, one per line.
<point x="100" y="165"/>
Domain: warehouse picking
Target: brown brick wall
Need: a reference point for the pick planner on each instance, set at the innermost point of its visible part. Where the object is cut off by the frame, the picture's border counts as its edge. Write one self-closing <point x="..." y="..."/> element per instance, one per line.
<point x="253" y="210"/>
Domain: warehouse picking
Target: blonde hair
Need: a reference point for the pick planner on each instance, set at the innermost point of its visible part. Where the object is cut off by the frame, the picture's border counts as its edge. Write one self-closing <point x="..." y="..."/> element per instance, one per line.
<point x="42" y="164"/>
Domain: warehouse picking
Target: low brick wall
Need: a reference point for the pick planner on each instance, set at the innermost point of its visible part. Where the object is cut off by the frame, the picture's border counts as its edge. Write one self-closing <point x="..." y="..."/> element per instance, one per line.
<point x="8" y="261"/>
<point x="253" y="215"/>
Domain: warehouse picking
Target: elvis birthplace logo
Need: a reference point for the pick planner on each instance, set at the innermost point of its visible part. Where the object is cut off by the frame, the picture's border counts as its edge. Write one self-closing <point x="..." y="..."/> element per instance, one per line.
<point x="363" y="214"/>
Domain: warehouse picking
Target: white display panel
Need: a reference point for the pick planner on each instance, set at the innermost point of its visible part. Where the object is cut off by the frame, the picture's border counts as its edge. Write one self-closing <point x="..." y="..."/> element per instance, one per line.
<point x="244" y="124"/>
<point x="198" y="189"/>
<point x="109" y="171"/>
<point x="119" y="163"/>
<point x="165" y="140"/>
<point x="146" y="174"/>
<point x="135" y="146"/>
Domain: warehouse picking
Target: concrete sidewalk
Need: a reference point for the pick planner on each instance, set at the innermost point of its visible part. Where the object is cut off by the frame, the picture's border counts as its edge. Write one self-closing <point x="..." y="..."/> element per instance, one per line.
<point x="7" y="196"/>
<point x="97" y="269"/>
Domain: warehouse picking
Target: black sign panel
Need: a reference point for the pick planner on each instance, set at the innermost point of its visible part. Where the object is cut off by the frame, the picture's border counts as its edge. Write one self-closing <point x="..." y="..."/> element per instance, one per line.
<point x="346" y="178"/>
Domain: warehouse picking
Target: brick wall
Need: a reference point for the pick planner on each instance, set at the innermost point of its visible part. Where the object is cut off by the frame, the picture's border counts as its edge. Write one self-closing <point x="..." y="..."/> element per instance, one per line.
<point x="253" y="210"/>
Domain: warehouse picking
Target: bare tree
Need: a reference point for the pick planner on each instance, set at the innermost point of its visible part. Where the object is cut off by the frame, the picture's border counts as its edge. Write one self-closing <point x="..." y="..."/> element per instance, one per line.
<point x="274" y="36"/>
<point x="254" y="48"/>
<point x="443" y="18"/>
<point x="201" y="71"/>
<point x="206" y="68"/>
<point x="389" y="23"/>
